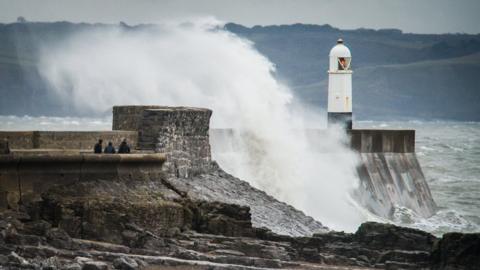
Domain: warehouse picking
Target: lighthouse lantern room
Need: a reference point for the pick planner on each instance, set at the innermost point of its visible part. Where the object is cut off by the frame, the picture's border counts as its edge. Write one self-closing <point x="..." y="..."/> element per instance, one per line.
<point x="340" y="86"/>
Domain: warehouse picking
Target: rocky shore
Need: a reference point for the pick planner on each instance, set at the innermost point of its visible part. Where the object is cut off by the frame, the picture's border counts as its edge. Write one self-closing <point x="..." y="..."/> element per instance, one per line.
<point x="157" y="224"/>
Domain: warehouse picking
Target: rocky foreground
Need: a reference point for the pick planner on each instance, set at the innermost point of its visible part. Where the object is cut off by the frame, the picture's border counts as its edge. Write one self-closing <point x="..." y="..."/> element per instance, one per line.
<point x="165" y="225"/>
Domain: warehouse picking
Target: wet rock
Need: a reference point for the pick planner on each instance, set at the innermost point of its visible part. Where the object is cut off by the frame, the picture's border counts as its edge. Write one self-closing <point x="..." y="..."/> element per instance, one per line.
<point x="59" y="238"/>
<point x="387" y="236"/>
<point x="82" y="260"/>
<point x="95" y="265"/>
<point x="125" y="263"/>
<point x="266" y="211"/>
<point x="153" y="243"/>
<point x="311" y="254"/>
<point x="18" y="260"/>
<point x="392" y="265"/>
<point x="222" y="218"/>
<point x="72" y="266"/>
<point x="44" y="251"/>
<point x="228" y="252"/>
<point x="51" y="263"/>
<point x="130" y="238"/>
<point x="457" y="251"/>
<point x="3" y="259"/>
<point x="9" y="232"/>
<point x="22" y="239"/>
<point x="141" y="263"/>
<point x="421" y="258"/>
<point x="100" y="246"/>
<point x="38" y="227"/>
<point x="102" y="210"/>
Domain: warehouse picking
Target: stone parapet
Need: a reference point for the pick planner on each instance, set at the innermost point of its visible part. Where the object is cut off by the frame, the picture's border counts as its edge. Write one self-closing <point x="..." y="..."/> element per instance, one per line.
<point x="129" y="117"/>
<point x="382" y="141"/>
<point x="66" y="139"/>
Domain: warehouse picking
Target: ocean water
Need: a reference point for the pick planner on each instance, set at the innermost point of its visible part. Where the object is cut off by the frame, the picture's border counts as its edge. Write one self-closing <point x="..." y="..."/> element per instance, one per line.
<point x="449" y="153"/>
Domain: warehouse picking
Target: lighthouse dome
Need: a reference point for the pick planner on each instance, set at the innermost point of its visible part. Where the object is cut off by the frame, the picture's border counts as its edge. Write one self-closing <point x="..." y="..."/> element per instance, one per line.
<point x="340" y="57"/>
<point x="340" y="50"/>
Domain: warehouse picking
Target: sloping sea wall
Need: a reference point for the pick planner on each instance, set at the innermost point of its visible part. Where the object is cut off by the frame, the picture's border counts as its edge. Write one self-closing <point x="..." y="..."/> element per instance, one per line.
<point x="390" y="173"/>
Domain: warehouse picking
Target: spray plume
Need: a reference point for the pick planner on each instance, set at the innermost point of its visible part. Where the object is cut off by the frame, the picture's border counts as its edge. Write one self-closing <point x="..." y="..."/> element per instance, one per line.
<point x="200" y="64"/>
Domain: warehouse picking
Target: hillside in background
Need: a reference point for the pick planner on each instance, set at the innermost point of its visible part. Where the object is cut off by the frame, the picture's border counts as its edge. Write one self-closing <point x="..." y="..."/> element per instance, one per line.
<point x="396" y="75"/>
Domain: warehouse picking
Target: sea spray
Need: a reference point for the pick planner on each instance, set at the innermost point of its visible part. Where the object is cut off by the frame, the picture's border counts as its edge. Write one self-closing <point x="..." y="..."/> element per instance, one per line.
<point x="199" y="64"/>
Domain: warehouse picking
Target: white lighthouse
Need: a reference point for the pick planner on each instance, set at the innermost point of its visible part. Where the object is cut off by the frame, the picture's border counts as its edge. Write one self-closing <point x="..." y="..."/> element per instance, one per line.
<point x="340" y="86"/>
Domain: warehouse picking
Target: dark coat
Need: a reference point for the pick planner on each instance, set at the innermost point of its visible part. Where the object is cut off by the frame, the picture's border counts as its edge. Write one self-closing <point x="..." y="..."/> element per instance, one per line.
<point x="109" y="150"/>
<point x="123" y="148"/>
<point x="97" y="149"/>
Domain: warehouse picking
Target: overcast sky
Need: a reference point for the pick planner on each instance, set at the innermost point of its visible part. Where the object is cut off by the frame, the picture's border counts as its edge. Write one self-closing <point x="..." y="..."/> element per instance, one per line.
<point x="418" y="16"/>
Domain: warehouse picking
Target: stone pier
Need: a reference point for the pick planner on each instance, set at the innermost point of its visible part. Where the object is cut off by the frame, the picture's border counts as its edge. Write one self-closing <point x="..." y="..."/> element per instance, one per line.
<point x="389" y="171"/>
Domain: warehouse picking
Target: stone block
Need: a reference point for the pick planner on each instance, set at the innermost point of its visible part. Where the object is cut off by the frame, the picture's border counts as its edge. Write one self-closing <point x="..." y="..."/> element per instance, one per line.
<point x="182" y="134"/>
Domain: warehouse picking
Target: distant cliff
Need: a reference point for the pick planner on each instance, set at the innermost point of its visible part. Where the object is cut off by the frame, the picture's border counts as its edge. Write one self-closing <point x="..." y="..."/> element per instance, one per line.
<point x="397" y="75"/>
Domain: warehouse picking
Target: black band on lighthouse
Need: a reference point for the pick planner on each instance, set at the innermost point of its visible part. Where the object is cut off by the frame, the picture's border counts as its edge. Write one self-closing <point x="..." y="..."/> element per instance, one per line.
<point x="340" y="118"/>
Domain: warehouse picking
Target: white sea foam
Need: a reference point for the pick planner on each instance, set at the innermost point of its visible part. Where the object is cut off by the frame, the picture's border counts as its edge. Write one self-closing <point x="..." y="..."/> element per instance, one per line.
<point x="445" y="220"/>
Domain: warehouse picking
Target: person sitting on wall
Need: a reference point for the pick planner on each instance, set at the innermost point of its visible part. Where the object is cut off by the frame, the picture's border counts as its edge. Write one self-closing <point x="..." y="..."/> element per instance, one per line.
<point x="109" y="149"/>
<point x="97" y="149"/>
<point x="124" y="148"/>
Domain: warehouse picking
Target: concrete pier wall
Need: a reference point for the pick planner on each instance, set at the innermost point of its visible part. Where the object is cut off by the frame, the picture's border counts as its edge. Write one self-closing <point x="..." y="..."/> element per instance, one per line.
<point x="23" y="177"/>
<point x="390" y="180"/>
<point x="390" y="173"/>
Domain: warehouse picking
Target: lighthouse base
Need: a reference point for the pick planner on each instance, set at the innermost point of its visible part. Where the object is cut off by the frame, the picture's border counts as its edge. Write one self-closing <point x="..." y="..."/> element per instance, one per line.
<point x="339" y="118"/>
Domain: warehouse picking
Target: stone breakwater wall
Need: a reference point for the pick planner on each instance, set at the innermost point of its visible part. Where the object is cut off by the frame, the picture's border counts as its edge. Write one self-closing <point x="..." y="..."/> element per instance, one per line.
<point x="66" y="139"/>
<point x="24" y="177"/>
